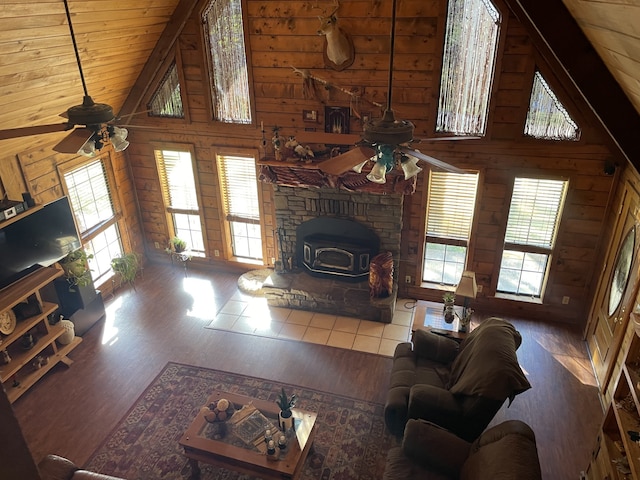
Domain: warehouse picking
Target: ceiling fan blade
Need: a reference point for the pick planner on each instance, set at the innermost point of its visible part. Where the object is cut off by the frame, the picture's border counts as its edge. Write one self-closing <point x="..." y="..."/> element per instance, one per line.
<point x="433" y="161"/>
<point x="345" y="162"/>
<point x="74" y="141"/>
<point x="36" y="130"/>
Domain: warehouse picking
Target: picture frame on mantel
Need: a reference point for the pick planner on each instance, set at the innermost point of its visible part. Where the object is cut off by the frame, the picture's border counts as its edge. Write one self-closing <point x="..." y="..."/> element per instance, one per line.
<point x="336" y="119"/>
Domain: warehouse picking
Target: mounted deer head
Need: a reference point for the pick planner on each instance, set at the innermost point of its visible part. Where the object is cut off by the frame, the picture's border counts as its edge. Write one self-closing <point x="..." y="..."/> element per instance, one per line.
<point x="338" y="48"/>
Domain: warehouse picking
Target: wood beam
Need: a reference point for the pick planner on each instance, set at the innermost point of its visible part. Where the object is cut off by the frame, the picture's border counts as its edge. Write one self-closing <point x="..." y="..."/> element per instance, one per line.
<point x="564" y="45"/>
<point x="163" y="48"/>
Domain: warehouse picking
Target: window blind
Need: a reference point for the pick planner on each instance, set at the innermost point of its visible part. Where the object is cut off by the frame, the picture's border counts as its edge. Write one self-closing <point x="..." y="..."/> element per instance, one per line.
<point x="166" y="101"/>
<point x="471" y="40"/>
<point x="451" y="203"/>
<point x="229" y="75"/>
<point x="238" y="180"/>
<point x="176" y="176"/>
<point x="534" y="212"/>
<point x="89" y="196"/>
<point x="547" y="117"/>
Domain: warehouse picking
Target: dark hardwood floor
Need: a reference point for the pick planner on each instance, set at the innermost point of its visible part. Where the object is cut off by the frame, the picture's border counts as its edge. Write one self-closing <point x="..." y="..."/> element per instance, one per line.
<point x="71" y="410"/>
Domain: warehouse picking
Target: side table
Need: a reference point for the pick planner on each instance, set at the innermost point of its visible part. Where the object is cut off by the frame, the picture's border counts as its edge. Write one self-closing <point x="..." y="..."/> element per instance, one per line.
<point x="181" y="257"/>
<point x="429" y="316"/>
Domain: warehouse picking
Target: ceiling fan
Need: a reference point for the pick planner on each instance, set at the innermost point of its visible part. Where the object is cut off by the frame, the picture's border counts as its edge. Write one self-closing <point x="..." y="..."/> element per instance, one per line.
<point x="95" y="120"/>
<point x="385" y="141"/>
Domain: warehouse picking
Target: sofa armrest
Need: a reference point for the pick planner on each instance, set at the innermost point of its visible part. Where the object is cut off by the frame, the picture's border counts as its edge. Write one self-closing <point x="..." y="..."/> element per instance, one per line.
<point x="434" y="447"/>
<point x="54" y="467"/>
<point x="434" y="404"/>
<point x="434" y="347"/>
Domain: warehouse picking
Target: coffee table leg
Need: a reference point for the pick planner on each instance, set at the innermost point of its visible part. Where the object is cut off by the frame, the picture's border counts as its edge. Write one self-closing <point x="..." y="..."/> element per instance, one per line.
<point x="195" y="469"/>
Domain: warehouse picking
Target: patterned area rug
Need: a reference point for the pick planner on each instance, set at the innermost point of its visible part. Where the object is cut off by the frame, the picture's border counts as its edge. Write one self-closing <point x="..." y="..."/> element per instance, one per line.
<point x="351" y="441"/>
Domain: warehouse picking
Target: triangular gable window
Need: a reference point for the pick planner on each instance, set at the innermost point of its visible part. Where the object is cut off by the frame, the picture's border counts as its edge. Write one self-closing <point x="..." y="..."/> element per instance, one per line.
<point x="547" y="118"/>
<point x="166" y="101"/>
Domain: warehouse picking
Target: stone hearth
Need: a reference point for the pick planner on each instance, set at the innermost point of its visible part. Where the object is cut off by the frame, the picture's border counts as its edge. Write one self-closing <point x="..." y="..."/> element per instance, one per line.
<point x="301" y="291"/>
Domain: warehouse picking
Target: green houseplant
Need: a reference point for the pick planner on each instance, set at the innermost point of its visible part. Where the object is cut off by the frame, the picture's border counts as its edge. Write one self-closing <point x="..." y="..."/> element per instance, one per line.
<point x="176" y="245"/>
<point x="76" y="268"/>
<point x="285" y="417"/>
<point x="125" y="267"/>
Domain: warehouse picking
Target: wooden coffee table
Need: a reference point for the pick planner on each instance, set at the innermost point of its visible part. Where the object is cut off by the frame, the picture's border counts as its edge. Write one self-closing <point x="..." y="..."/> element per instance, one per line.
<point x="241" y="448"/>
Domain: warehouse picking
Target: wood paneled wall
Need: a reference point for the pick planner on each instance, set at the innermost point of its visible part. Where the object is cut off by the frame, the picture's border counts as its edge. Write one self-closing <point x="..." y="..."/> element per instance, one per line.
<point x="282" y="35"/>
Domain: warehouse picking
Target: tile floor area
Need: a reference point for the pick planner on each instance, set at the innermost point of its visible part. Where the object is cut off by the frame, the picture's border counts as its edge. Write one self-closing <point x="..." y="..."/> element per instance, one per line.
<point x="251" y="315"/>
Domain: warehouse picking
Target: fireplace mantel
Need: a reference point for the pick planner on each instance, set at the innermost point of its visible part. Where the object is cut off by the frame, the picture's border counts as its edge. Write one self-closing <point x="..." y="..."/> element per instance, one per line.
<point x="301" y="174"/>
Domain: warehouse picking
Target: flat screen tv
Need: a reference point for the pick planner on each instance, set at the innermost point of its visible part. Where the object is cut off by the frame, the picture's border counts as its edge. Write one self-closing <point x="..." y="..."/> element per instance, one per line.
<point x="39" y="239"/>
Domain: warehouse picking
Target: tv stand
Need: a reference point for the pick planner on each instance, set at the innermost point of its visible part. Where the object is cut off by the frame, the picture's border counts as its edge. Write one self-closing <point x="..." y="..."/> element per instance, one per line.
<point x="22" y="371"/>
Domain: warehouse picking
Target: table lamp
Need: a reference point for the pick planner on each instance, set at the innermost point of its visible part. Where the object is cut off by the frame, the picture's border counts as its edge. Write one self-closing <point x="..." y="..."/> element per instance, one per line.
<point x="467" y="288"/>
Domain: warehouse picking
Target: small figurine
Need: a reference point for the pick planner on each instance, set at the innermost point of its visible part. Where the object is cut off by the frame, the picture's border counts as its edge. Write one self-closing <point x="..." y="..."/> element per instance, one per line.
<point x="6" y="358"/>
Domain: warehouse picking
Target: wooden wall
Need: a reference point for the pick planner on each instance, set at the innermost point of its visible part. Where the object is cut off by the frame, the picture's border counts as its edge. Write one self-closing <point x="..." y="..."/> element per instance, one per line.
<point x="282" y="35"/>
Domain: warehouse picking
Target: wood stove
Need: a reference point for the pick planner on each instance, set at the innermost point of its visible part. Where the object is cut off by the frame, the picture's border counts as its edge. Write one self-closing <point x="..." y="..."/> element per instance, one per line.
<point x="337" y="248"/>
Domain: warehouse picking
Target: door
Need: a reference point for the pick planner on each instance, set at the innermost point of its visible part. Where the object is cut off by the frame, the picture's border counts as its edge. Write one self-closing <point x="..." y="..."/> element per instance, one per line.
<point x="617" y="291"/>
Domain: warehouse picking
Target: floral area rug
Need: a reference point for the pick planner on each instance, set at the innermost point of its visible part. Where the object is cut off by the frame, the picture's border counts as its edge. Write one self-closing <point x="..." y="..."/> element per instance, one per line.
<point x="351" y="441"/>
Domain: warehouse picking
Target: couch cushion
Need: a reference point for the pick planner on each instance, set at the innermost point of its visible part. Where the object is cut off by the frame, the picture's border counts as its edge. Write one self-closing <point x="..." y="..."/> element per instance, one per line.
<point x="401" y="467"/>
<point x="434" y="347"/>
<point x="503" y="454"/>
<point x="487" y="364"/>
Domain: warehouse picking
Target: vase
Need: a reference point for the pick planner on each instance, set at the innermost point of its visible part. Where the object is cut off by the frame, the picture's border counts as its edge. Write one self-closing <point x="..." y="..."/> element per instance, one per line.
<point x="285" y="423"/>
<point x="449" y="314"/>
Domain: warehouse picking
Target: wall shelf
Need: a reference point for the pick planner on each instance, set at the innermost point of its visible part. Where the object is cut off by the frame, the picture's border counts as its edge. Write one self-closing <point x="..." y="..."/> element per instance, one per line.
<point x="20" y="373"/>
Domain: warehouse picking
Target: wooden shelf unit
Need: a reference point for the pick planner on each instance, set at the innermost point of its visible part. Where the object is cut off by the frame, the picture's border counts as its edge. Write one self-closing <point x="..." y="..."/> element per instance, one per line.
<point x="20" y="374"/>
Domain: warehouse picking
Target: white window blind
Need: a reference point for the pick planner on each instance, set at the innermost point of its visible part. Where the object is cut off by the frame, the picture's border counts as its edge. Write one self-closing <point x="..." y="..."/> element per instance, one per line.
<point x="89" y="196"/>
<point x="471" y="40"/>
<point x="176" y="175"/>
<point x="240" y="194"/>
<point x="229" y="75"/>
<point x="534" y="212"/>
<point x="452" y="198"/>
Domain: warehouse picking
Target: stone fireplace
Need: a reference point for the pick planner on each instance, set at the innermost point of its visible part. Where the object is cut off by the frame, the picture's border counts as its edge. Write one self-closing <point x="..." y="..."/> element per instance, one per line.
<point x="342" y="230"/>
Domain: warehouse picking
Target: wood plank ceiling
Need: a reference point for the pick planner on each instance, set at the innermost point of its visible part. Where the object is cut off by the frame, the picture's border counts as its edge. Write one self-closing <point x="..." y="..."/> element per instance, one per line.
<point x="39" y="77"/>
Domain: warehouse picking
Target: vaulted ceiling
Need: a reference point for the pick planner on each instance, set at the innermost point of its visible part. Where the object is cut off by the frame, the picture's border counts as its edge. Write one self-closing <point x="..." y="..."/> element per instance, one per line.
<point x="39" y="76"/>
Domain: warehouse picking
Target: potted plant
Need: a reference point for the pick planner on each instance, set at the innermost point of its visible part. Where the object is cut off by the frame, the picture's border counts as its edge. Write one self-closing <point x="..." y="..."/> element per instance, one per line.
<point x="76" y="268"/>
<point x="176" y="245"/>
<point x="449" y="312"/>
<point x="126" y="267"/>
<point x="285" y="417"/>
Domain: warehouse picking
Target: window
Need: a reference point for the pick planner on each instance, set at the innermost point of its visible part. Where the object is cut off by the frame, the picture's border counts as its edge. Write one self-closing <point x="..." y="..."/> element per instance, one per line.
<point x="238" y="183"/>
<point x="175" y="168"/>
<point x="547" y="118"/>
<point x="90" y="198"/>
<point x="166" y="101"/>
<point x="228" y="61"/>
<point x="450" y="207"/>
<point x="471" y="40"/>
<point x="535" y="210"/>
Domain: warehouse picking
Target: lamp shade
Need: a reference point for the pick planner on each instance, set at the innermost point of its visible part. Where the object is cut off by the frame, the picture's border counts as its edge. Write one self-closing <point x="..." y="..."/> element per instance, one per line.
<point x="467" y="287"/>
<point x="378" y="173"/>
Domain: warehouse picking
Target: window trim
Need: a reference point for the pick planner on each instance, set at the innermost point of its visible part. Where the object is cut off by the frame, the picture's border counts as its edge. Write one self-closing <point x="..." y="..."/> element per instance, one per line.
<point x="227" y="249"/>
<point x="118" y="219"/>
<point x="169" y="211"/>
<point x="495" y="76"/>
<point x="468" y="243"/>
<point x="162" y="71"/>
<point x="207" y="77"/>
<point x="550" y="252"/>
